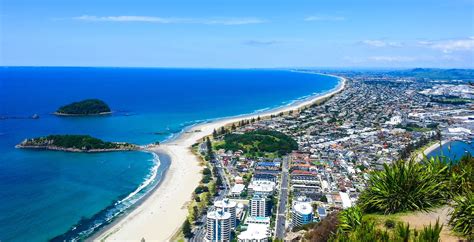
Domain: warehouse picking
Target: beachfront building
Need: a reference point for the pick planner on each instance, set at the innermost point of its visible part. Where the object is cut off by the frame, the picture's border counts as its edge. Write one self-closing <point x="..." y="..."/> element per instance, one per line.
<point x="302" y="213"/>
<point x="260" y="206"/>
<point x="228" y="206"/>
<point x="218" y="226"/>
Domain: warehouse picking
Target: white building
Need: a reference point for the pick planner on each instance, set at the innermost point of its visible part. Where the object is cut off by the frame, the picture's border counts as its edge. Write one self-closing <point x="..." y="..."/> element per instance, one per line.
<point x="302" y="213"/>
<point x="237" y="189"/>
<point x="255" y="233"/>
<point x="261" y="187"/>
<point x="346" y="201"/>
<point x="228" y="206"/>
<point x="260" y="206"/>
<point x="218" y="226"/>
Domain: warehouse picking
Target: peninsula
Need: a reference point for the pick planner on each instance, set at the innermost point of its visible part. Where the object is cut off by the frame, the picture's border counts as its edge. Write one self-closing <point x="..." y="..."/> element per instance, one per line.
<point x="74" y="143"/>
<point x="84" y="108"/>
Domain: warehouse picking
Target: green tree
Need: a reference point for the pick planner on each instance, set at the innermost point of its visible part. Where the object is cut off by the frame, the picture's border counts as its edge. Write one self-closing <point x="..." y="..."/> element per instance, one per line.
<point x="186" y="228"/>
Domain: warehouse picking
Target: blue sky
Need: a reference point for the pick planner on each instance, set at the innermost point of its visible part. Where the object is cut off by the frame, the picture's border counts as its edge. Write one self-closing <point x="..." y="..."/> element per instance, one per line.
<point x="238" y="33"/>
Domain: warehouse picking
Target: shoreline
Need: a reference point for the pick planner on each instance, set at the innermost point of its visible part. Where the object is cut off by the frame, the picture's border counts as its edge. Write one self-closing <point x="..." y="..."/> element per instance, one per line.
<point x="435" y="146"/>
<point x="72" y="150"/>
<point x="163" y="211"/>
<point x="81" y="115"/>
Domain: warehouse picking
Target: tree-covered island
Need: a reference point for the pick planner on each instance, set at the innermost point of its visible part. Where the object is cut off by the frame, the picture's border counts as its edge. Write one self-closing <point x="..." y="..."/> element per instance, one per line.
<point x="74" y="143"/>
<point x="84" y="107"/>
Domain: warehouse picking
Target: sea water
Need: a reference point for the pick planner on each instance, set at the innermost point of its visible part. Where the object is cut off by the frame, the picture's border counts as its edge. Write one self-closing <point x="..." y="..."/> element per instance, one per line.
<point x="45" y="194"/>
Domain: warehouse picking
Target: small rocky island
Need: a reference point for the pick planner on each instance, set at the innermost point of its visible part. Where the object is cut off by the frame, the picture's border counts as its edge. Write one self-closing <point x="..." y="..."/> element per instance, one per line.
<point x="84" y="107"/>
<point x="74" y="143"/>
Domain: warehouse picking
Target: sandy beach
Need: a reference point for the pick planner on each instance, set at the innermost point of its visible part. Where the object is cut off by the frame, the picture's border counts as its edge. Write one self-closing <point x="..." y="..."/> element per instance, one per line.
<point x="431" y="149"/>
<point x="162" y="213"/>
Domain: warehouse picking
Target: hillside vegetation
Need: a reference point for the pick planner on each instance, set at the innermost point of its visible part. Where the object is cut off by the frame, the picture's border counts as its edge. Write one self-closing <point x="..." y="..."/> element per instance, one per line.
<point x="259" y="141"/>
<point x="79" y="142"/>
<point x="85" y="107"/>
<point x="402" y="188"/>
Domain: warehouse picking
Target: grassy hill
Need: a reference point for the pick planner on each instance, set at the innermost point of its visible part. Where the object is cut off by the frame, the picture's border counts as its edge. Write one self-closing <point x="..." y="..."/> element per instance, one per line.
<point x="259" y="142"/>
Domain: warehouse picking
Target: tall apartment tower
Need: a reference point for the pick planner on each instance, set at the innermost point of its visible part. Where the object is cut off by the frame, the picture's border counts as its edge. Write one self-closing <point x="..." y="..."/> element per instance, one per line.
<point x="228" y="206"/>
<point x="260" y="206"/>
<point x="218" y="226"/>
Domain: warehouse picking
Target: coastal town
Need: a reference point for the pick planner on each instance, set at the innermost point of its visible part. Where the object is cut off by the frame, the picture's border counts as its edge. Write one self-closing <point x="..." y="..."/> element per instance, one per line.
<point x="252" y="192"/>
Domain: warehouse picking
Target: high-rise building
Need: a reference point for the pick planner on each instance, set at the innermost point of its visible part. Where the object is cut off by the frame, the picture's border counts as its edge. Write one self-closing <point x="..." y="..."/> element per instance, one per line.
<point x="218" y="226"/>
<point x="260" y="206"/>
<point x="302" y="213"/>
<point x="228" y="206"/>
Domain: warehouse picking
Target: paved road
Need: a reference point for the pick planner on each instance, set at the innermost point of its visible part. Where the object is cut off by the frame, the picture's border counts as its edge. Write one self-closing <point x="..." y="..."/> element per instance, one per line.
<point x="281" y="210"/>
<point x="200" y="231"/>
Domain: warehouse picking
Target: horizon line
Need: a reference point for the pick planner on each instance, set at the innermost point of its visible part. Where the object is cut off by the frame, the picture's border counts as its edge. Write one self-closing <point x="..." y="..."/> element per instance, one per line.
<point x="240" y="68"/>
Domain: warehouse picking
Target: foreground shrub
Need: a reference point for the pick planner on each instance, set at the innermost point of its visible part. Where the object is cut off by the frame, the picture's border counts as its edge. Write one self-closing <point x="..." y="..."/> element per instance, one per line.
<point x="406" y="186"/>
<point x="367" y="231"/>
<point x="430" y="233"/>
<point x="324" y="229"/>
<point x="462" y="176"/>
<point x="390" y="223"/>
<point x="462" y="217"/>
<point x="350" y="219"/>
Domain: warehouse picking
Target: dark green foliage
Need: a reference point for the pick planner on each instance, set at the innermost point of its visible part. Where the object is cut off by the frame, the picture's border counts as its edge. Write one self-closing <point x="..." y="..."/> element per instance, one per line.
<point x="206" y="171"/>
<point x="83" y="142"/>
<point x="85" y="107"/>
<point x="260" y="141"/>
<point x="406" y="186"/>
<point x="390" y="224"/>
<point x="206" y="179"/>
<point x="365" y="232"/>
<point x="462" y="176"/>
<point x="195" y="212"/>
<point x="462" y="217"/>
<point x="186" y="228"/>
<point x="453" y="101"/>
<point x="350" y="219"/>
<point x="430" y="233"/>
<point x="402" y="232"/>
<point x="201" y="189"/>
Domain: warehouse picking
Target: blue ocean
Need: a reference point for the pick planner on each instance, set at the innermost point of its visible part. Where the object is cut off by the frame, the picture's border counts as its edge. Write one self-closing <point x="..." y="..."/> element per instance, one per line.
<point x="45" y="194"/>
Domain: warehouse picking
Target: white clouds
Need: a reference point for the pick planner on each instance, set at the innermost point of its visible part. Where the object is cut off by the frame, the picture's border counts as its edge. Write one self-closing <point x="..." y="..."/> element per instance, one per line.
<point x="232" y="21"/>
<point x="160" y="20"/>
<point x="392" y="58"/>
<point x="324" y="18"/>
<point x="381" y="43"/>
<point x="449" y="46"/>
<point x="130" y="19"/>
<point x="261" y="42"/>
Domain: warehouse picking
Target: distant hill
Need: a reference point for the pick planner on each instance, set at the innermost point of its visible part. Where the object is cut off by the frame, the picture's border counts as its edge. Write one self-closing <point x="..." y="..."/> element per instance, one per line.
<point x="85" y="107"/>
<point x="437" y="74"/>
